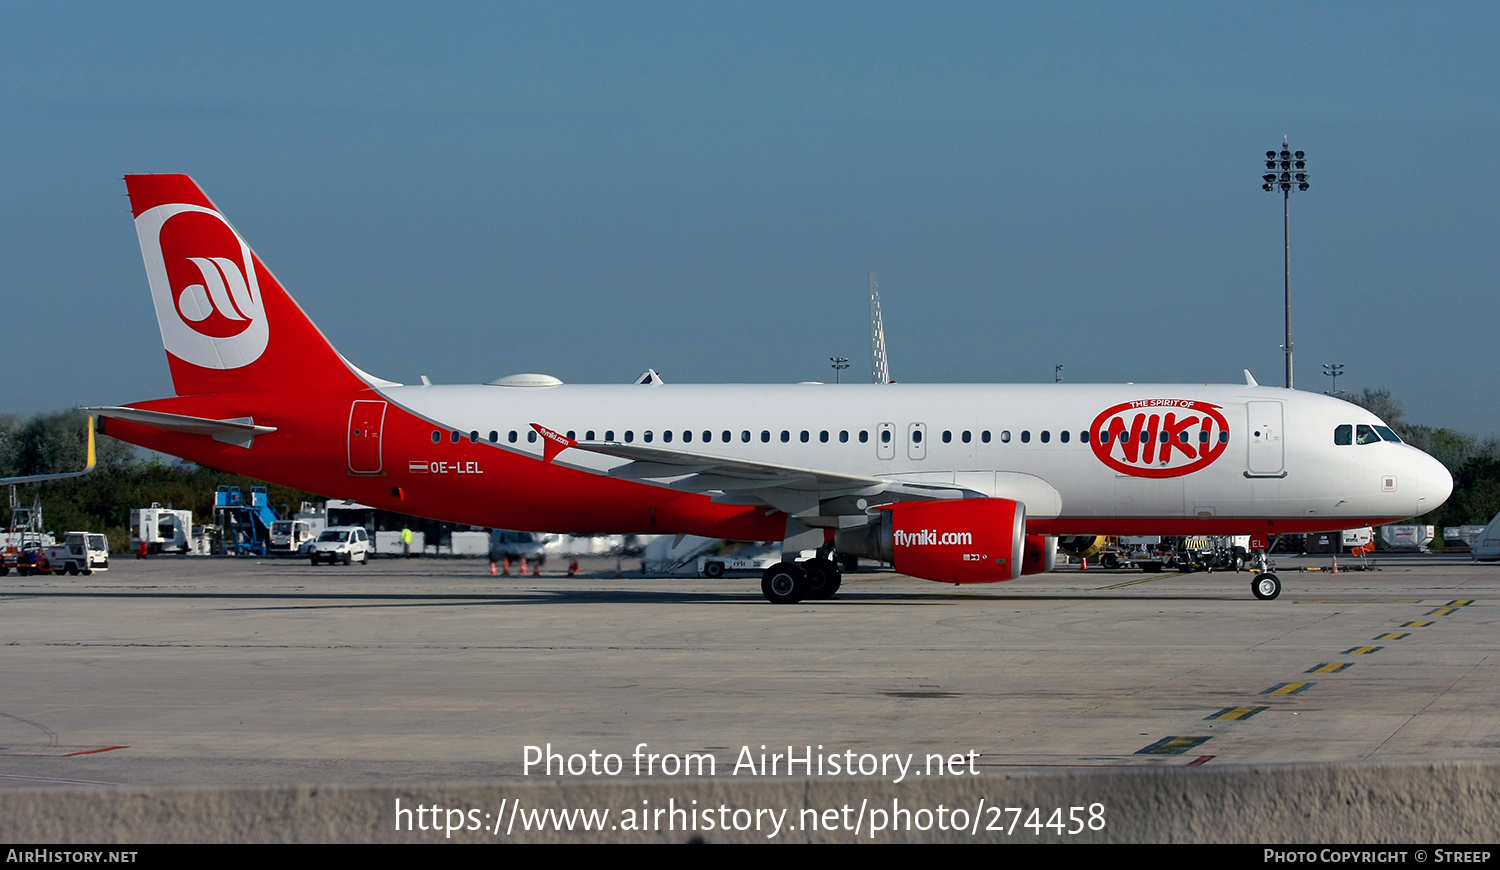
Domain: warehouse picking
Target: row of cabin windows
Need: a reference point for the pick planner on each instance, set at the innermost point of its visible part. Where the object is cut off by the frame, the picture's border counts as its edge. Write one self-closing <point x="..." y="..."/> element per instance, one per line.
<point x="1363" y="434"/>
<point x="863" y="436"/>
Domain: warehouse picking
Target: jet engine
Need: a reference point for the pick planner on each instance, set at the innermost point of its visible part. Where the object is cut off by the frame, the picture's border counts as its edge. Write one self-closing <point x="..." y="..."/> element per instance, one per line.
<point x="980" y="540"/>
<point x="1081" y="546"/>
<point x="1040" y="554"/>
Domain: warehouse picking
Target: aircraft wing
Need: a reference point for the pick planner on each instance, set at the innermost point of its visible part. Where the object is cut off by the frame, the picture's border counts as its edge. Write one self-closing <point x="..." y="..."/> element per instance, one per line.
<point x="240" y="431"/>
<point x="38" y="478"/>
<point x="795" y="490"/>
<point x="701" y="472"/>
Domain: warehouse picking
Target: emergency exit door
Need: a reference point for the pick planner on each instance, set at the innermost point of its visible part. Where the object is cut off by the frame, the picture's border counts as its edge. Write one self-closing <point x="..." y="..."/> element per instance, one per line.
<point x="1267" y="453"/>
<point x="366" y="421"/>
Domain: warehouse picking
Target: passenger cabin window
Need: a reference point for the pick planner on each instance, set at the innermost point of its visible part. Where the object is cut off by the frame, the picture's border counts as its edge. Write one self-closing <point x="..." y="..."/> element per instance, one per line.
<point x="1365" y="434"/>
<point x="531" y="437"/>
<point x="454" y="436"/>
<point x="823" y="436"/>
<point x="589" y="435"/>
<point x="843" y="436"/>
<point x="785" y="436"/>
<point x="1063" y="436"/>
<point x="629" y="435"/>
<point x="863" y="436"/>
<point x="494" y="436"/>
<point x="1343" y="435"/>
<point x="745" y="436"/>
<point x="473" y="436"/>
<point x="646" y="436"/>
<point x="511" y="437"/>
<point x="966" y="437"/>
<point x="916" y="436"/>
<point x="947" y="436"/>
<point x="666" y="436"/>
<point x="804" y="436"/>
<point x="437" y="436"/>
<point x="609" y="434"/>
<point x="1025" y="436"/>
<point x="885" y="436"/>
<point x="1046" y="436"/>
<point x="765" y="436"/>
<point x="1083" y="437"/>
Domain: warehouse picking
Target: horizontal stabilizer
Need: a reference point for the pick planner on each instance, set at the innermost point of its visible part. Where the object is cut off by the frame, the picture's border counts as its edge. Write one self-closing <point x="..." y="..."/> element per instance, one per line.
<point x="240" y="431"/>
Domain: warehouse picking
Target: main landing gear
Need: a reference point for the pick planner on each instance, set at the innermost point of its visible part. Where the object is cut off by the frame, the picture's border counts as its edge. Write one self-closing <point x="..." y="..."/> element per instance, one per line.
<point x="791" y="582"/>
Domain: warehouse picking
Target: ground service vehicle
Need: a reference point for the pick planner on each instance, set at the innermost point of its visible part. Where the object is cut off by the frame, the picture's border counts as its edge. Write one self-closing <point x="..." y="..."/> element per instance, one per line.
<point x="345" y="544"/>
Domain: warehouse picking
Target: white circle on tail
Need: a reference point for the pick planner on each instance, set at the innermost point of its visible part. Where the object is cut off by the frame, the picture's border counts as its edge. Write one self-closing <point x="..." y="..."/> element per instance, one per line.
<point x="214" y="317"/>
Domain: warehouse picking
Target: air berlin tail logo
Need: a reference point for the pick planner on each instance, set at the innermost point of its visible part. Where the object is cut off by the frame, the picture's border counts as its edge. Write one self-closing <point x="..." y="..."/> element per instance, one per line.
<point x="1160" y="437"/>
<point x="204" y="285"/>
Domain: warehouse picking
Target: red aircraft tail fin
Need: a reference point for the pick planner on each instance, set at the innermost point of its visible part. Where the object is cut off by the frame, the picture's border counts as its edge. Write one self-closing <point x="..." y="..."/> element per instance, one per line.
<point x="226" y="322"/>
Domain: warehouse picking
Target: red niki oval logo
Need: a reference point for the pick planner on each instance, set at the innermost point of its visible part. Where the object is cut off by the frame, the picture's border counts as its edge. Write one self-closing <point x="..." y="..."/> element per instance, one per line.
<point x="1160" y="437"/>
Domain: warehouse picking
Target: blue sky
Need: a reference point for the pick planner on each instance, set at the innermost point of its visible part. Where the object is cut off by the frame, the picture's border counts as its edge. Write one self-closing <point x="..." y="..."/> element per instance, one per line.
<point x="590" y="189"/>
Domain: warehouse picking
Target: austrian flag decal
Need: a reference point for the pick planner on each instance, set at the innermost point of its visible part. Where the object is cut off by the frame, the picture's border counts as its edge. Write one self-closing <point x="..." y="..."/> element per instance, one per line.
<point x="1160" y="437"/>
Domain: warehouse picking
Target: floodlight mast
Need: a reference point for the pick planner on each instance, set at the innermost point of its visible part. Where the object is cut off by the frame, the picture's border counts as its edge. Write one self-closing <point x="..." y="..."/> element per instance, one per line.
<point x="1285" y="169"/>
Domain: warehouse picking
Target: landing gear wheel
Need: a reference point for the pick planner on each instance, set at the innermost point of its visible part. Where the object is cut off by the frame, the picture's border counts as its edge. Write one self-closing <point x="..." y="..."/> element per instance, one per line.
<point x="1266" y="586"/>
<point x="823" y="579"/>
<point x="784" y="583"/>
<point x="713" y="570"/>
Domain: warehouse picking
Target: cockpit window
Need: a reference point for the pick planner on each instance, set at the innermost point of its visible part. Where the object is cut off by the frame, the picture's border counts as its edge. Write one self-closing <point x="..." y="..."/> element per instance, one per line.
<point x="1365" y="435"/>
<point x="1387" y="435"/>
<point x="1343" y="435"/>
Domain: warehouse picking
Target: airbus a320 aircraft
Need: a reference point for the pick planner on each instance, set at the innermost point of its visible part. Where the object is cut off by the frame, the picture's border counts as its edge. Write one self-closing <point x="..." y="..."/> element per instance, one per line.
<point x="953" y="483"/>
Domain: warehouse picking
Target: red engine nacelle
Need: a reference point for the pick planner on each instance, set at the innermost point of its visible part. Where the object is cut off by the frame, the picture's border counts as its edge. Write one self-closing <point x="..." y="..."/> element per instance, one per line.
<point x="1041" y="554"/>
<point x="976" y="540"/>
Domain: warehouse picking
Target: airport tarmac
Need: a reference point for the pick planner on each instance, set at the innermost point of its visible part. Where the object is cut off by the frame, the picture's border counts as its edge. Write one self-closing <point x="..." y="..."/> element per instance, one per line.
<point x="179" y="671"/>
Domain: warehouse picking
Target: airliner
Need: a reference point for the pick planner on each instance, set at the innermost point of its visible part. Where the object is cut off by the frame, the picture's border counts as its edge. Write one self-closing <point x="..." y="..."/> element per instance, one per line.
<point x="954" y="483"/>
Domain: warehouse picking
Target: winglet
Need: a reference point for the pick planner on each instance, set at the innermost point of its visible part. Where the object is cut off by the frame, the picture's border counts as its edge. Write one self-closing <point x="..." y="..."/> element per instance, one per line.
<point x="553" y="443"/>
<point x="37" y="478"/>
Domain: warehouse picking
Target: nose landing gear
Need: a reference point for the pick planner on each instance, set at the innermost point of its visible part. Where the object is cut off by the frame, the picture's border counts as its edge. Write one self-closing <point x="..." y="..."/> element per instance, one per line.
<point x="1266" y="586"/>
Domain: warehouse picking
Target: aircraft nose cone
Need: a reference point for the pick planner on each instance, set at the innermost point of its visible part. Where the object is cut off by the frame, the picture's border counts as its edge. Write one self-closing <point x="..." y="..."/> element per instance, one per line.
<point x="1434" y="484"/>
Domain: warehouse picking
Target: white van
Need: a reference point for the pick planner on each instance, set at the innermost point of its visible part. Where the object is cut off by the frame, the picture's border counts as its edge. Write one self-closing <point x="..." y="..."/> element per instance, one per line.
<point x="342" y="544"/>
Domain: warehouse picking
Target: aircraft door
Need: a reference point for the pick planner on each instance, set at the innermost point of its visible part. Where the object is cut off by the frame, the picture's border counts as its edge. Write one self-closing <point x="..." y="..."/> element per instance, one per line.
<point x="366" y="421"/>
<point x="1266" y="452"/>
<point x="916" y="441"/>
<point x="885" y="441"/>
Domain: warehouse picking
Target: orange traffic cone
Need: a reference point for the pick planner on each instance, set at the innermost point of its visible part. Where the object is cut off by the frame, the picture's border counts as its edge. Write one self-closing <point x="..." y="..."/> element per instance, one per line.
<point x="492" y="568"/>
<point x="507" y="566"/>
<point x="573" y="567"/>
<point x="1335" y="563"/>
<point x="524" y="572"/>
<point x="1084" y="563"/>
